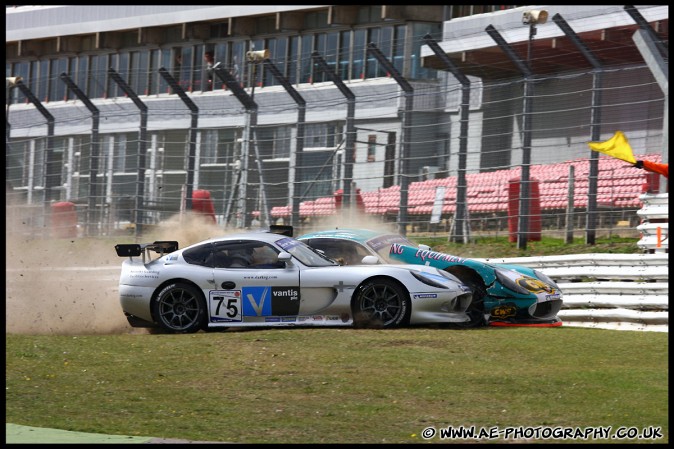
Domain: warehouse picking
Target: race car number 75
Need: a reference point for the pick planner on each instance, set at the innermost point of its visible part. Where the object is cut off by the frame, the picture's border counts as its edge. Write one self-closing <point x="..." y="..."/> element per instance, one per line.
<point x="225" y="305"/>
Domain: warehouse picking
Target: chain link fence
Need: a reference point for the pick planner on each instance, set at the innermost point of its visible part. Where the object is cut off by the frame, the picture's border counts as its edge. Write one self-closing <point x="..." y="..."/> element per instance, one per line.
<point x="342" y="157"/>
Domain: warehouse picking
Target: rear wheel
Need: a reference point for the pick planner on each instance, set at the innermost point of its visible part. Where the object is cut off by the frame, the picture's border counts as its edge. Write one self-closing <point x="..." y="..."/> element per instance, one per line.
<point x="180" y="308"/>
<point x="381" y="303"/>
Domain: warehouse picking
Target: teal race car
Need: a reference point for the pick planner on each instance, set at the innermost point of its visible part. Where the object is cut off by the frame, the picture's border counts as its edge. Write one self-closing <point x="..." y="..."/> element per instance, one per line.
<point x="503" y="294"/>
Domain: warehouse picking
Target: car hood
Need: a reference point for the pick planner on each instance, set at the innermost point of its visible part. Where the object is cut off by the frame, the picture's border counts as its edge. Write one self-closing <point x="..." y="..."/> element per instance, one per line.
<point x="522" y="276"/>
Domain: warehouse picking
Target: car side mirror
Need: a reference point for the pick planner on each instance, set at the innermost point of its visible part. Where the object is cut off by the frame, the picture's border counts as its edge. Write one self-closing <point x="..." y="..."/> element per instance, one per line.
<point x="424" y="247"/>
<point x="370" y="260"/>
<point x="284" y="257"/>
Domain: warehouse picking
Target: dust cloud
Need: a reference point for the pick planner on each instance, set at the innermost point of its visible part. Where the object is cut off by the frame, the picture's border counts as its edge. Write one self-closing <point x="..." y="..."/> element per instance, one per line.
<point x="69" y="286"/>
<point x="61" y="286"/>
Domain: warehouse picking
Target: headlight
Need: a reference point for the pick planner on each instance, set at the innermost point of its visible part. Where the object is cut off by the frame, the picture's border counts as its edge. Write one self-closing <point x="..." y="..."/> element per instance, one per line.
<point x="428" y="279"/>
<point x="545" y="278"/>
<point x="510" y="283"/>
<point x="450" y="276"/>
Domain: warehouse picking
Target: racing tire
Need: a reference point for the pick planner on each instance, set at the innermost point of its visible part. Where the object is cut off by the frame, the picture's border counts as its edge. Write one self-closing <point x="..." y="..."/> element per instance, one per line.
<point x="381" y="303"/>
<point x="180" y="308"/>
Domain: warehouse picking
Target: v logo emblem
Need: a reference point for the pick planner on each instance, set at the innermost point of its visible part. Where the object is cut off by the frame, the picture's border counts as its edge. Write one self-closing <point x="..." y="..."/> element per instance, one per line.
<point x="258" y="307"/>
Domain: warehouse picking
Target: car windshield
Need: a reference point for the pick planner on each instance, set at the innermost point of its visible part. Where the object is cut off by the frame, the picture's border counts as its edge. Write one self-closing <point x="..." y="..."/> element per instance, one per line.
<point x="382" y="245"/>
<point x="304" y="253"/>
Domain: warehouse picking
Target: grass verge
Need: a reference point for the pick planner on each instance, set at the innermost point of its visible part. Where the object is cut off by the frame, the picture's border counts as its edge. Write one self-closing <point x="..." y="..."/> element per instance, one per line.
<point x="489" y="246"/>
<point x="338" y="385"/>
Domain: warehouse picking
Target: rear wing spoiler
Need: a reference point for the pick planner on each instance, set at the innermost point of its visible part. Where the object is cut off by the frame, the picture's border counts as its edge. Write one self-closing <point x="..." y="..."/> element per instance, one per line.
<point x="136" y="249"/>
<point x="282" y="230"/>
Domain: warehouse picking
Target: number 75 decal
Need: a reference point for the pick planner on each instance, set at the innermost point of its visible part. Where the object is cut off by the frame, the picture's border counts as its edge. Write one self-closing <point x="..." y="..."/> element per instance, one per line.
<point x="224" y="305"/>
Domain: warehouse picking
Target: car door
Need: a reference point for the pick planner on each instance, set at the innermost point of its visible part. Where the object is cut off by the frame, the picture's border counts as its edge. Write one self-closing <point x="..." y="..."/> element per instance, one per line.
<point x="264" y="291"/>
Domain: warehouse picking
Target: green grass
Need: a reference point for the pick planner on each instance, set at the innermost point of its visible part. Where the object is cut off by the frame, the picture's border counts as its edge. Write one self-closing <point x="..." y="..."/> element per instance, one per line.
<point x="488" y="246"/>
<point x="337" y="385"/>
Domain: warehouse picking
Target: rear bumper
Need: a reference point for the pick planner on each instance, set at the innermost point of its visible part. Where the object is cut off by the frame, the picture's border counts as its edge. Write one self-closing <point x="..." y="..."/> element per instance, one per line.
<point x="134" y="321"/>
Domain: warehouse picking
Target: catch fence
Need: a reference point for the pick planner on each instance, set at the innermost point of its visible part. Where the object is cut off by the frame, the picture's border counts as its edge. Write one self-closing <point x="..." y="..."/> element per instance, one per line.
<point x="254" y="175"/>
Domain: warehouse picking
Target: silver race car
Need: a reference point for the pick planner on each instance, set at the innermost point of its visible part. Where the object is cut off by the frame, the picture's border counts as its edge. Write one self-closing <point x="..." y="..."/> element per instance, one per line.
<point x="270" y="279"/>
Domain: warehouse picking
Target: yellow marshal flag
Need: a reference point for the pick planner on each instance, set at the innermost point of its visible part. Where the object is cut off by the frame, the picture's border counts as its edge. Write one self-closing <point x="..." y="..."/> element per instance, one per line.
<point x="617" y="147"/>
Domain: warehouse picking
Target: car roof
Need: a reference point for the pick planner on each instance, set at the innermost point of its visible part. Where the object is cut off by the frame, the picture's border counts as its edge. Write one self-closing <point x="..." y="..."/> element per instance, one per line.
<point x="263" y="236"/>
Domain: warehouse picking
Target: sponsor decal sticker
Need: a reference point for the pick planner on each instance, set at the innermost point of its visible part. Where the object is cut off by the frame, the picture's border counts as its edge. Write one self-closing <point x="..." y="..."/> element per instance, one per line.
<point x="534" y="285"/>
<point x="384" y="240"/>
<point x="285" y="301"/>
<point x="396" y="249"/>
<point x="425" y="295"/>
<point x="504" y="311"/>
<point x="256" y="301"/>
<point x="427" y="255"/>
<point x="262" y="277"/>
<point x="270" y="301"/>
<point x="141" y="273"/>
<point x="287" y="243"/>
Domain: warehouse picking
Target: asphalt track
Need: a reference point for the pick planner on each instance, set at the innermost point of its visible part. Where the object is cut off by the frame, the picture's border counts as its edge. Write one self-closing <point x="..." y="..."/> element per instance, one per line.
<point x="16" y="434"/>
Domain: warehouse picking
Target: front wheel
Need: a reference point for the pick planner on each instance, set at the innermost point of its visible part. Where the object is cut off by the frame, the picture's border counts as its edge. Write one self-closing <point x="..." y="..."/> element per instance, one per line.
<point x="381" y="303"/>
<point x="180" y="308"/>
